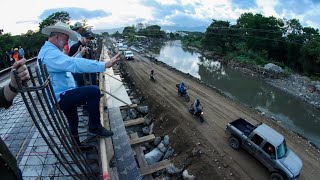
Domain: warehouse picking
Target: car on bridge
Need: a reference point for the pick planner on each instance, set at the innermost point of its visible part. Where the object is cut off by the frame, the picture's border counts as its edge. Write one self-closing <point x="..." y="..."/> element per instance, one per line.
<point x="266" y="145"/>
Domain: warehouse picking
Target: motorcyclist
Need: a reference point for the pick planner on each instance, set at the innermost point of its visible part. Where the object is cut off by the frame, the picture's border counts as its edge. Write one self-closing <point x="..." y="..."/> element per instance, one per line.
<point x="151" y="76"/>
<point x="197" y="107"/>
<point x="182" y="88"/>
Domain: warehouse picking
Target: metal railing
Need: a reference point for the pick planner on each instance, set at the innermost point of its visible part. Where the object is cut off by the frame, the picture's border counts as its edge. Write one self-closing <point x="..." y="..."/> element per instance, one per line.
<point x="43" y="107"/>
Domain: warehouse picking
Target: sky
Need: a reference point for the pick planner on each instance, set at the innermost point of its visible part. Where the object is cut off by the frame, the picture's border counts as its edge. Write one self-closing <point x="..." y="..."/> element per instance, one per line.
<point x="106" y="14"/>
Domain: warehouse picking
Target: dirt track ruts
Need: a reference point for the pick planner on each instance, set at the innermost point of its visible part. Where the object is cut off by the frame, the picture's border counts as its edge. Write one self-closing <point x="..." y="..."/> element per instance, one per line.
<point x="218" y="111"/>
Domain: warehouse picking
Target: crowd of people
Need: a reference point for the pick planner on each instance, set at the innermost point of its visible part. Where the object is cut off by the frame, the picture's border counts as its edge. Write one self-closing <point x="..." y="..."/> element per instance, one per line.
<point x="14" y="55"/>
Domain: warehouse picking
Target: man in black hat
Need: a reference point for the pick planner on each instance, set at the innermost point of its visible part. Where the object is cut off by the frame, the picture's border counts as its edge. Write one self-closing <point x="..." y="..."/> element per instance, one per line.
<point x="86" y="38"/>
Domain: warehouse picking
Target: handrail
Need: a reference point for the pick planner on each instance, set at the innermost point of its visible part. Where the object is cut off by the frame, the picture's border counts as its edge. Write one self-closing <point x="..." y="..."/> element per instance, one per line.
<point x="9" y="68"/>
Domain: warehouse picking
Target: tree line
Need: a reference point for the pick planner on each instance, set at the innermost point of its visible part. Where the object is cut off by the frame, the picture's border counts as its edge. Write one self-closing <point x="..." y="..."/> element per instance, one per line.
<point x="31" y="41"/>
<point x="257" y="39"/>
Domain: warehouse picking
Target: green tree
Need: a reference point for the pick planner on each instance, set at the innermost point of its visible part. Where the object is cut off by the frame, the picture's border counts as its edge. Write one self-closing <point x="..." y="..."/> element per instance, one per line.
<point x="217" y="36"/>
<point x="128" y="30"/>
<point x="54" y="18"/>
<point x="262" y="33"/>
<point x="153" y="31"/>
<point x="116" y="35"/>
<point x="106" y="34"/>
<point x="311" y="56"/>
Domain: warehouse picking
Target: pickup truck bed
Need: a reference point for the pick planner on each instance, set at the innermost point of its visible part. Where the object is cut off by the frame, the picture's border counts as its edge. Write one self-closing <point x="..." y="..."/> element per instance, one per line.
<point x="244" y="126"/>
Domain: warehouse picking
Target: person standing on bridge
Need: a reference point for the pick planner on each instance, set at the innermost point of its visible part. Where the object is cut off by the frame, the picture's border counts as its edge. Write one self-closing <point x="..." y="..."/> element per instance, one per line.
<point x="15" y="55"/>
<point x="78" y="30"/>
<point x="60" y="66"/>
<point x="8" y="163"/>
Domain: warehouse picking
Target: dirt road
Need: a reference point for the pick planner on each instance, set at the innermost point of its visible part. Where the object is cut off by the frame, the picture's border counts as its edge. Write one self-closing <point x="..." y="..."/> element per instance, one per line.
<point x="203" y="148"/>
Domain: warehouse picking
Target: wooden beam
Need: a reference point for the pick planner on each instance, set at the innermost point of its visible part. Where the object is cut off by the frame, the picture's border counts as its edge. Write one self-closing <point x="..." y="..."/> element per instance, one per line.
<point x="155" y="167"/>
<point x="140" y="156"/>
<point x="143" y="139"/>
<point x="131" y="97"/>
<point x="129" y="106"/>
<point x="133" y="122"/>
<point x="105" y="144"/>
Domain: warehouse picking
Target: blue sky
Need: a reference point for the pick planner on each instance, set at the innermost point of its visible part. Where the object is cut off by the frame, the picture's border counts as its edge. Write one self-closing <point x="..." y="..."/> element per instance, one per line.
<point x="106" y="14"/>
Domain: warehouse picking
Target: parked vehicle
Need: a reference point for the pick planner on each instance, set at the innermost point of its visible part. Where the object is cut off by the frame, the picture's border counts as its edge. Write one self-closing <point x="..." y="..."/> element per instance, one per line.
<point x="199" y="114"/>
<point x="268" y="146"/>
<point x="186" y="95"/>
<point x="128" y="55"/>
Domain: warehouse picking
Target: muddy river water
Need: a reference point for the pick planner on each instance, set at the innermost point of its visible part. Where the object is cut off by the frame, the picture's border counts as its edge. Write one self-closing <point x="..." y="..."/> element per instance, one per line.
<point x="288" y="110"/>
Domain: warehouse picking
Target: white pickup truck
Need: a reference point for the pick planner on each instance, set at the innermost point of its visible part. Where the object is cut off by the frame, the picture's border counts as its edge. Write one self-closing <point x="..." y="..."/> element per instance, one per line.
<point x="128" y="55"/>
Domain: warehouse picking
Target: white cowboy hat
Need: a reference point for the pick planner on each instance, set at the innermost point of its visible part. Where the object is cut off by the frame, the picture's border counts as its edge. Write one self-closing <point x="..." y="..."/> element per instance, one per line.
<point x="60" y="27"/>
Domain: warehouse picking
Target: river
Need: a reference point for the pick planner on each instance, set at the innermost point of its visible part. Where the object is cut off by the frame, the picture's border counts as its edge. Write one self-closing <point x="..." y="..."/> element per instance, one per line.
<point x="289" y="111"/>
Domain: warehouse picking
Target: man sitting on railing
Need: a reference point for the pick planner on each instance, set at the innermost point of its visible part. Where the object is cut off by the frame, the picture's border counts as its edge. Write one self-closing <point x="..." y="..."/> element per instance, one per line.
<point x="60" y="66"/>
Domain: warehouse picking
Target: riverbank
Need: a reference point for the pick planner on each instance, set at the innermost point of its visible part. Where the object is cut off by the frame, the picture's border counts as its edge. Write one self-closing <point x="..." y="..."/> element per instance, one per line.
<point x="299" y="86"/>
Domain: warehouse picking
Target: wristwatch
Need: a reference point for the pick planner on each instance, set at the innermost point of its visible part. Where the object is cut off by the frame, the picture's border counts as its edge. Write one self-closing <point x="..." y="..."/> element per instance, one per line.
<point x="13" y="89"/>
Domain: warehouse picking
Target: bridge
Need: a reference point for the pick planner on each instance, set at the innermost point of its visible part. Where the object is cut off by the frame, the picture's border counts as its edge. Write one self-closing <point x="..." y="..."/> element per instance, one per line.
<point x="35" y="130"/>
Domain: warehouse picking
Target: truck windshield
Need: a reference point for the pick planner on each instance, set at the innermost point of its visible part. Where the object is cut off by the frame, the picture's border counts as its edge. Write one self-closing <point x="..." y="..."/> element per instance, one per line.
<point x="282" y="150"/>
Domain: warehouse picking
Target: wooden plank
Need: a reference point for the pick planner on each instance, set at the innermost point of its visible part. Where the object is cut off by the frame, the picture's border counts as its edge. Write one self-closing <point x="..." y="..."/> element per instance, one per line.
<point x="133" y="122"/>
<point x="106" y="147"/>
<point x="143" y="139"/>
<point x="140" y="157"/>
<point x="155" y="167"/>
<point x="129" y="106"/>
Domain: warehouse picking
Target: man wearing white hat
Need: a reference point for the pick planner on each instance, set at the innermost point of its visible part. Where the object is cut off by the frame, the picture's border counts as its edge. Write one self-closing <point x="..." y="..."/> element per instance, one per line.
<point x="60" y="66"/>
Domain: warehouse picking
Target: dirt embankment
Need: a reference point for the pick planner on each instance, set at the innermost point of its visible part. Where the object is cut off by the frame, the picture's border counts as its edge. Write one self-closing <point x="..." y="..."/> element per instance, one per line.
<point x="203" y="148"/>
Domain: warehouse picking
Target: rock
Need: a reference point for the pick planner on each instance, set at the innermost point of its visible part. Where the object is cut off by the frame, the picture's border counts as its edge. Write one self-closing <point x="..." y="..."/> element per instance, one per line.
<point x="175" y="130"/>
<point x="317" y="87"/>
<point x="157" y="141"/>
<point x="196" y="152"/>
<point x="166" y="140"/>
<point x="132" y="113"/>
<point x="162" y="148"/>
<point x="169" y="153"/>
<point x="312" y="88"/>
<point x="146" y="130"/>
<point x="151" y="128"/>
<point x="173" y="170"/>
<point x="135" y="101"/>
<point x="273" y="67"/>
<point x="143" y="109"/>
<point x="187" y="176"/>
<point x="124" y="114"/>
<point x="153" y="156"/>
<point x="127" y="118"/>
<point x="147" y="120"/>
<point x="147" y="145"/>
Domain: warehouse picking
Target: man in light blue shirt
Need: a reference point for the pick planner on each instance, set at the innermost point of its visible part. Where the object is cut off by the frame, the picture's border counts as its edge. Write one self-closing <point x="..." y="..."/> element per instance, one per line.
<point x="60" y="66"/>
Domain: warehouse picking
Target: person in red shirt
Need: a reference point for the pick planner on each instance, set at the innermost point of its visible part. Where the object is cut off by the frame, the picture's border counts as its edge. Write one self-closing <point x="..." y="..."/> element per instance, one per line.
<point x="15" y="55"/>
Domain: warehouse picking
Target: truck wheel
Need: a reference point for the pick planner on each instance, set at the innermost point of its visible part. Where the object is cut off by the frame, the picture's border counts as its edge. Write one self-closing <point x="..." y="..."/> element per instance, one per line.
<point x="276" y="176"/>
<point x="234" y="143"/>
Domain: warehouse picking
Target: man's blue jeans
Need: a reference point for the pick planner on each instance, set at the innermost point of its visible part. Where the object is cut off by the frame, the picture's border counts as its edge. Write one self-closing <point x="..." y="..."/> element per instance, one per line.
<point x="74" y="98"/>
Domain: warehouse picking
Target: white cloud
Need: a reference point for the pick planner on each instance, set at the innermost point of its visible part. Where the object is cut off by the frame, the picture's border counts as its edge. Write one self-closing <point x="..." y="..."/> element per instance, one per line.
<point x="268" y="7"/>
<point x="128" y="12"/>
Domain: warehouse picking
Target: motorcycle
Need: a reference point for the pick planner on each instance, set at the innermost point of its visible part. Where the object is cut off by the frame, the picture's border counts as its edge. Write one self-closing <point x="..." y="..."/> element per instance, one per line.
<point x="152" y="78"/>
<point x="199" y="114"/>
<point x="186" y="94"/>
